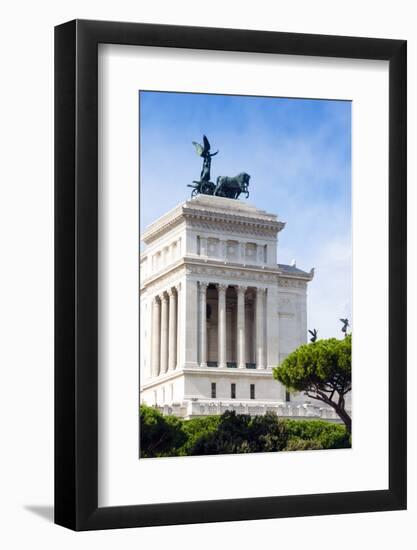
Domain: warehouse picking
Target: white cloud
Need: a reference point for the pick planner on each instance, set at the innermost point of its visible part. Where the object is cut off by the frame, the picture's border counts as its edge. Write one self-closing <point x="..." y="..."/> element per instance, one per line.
<point x="330" y="292"/>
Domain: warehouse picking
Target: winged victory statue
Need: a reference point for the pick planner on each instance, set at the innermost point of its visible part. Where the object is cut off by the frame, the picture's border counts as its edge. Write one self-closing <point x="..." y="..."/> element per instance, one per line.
<point x="204" y="185"/>
<point x="225" y="186"/>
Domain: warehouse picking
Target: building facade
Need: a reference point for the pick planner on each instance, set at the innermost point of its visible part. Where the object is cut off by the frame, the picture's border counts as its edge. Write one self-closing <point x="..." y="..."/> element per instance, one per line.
<point x="217" y="312"/>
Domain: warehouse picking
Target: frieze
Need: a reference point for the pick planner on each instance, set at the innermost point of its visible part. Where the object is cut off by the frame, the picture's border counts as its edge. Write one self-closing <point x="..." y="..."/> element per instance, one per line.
<point x="223" y="228"/>
<point x="164" y="280"/>
<point x="291" y="283"/>
<point x="160" y="283"/>
<point x="235" y="274"/>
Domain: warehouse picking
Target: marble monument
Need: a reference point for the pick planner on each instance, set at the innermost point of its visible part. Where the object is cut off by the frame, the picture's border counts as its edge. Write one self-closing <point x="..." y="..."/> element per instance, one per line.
<point x="217" y="312"/>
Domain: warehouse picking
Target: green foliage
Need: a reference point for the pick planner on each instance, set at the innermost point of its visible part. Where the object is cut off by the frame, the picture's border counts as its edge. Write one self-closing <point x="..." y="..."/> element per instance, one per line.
<point x="322" y="370"/>
<point x="195" y="428"/>
<point x="318" y="364"/>
<point x="325" y="435"/>
<point x="234" y="433"/>
<point x="241" y="433"/>
<point x="297" y="444"/>
<point x="159" y="435"/>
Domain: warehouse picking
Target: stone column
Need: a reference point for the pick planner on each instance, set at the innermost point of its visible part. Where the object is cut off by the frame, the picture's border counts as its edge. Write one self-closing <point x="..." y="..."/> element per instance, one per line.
<point x="172" y="332"/>
<point x="240" y="336"/>
<point x="203" y="324"/>
<point x="242" y="251"/>
<point x="260" y="340"/>
<point x="222" y="326"/>
<point x="165" y="260"/>
<point x="203" y="246"/>
<point x="156" y="336"/>
<point x="179" y="324"/>
<point x="260" y="252"/>
<point x="164" y="333"/>
<point x="189" y="322"/>
<point x="272" y="327"/>
<point x="223" y="250"/>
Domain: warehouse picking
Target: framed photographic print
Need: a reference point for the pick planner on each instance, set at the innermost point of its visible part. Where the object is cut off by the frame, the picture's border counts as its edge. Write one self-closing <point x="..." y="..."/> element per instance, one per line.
<point x="230" y="275"/>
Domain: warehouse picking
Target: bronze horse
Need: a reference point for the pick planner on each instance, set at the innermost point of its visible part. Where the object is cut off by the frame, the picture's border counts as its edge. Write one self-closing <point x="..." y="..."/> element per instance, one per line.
<point x="231" y="188"/>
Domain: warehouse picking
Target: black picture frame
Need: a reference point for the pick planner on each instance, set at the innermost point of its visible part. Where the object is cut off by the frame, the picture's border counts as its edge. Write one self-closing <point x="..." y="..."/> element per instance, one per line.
<point x="76" y="272"/>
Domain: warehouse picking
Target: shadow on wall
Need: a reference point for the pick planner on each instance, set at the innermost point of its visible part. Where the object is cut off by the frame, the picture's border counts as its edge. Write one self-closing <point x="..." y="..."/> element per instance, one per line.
<point x="45" y="512"/>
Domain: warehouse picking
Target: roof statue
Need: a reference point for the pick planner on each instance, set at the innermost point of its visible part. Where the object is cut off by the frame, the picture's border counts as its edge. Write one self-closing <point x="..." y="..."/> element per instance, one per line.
<point x="225" y="186"/>
<point x="204" y="186"/>
<point x="345" y="325"/>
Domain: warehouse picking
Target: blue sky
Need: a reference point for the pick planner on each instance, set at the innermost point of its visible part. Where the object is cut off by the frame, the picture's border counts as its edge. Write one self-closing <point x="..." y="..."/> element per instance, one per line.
<point x="298" y="153"/>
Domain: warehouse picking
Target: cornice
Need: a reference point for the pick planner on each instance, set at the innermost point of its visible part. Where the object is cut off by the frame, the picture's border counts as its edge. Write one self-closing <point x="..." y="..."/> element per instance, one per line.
<point x="223" y="227"/>
<point x="162" y="278"/>
<point x="212" y="216"/>
<point x="160" y="227"/>
<point x="209" y="218"/>
<point x="219" y="269"/>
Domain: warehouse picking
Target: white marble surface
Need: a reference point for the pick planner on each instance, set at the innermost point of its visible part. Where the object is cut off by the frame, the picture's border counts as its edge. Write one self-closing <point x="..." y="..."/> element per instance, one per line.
<point x="209" y="247"/>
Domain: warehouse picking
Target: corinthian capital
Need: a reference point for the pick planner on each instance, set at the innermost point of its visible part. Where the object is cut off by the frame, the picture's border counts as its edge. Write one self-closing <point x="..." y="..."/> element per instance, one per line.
<point x="163" y="297"/>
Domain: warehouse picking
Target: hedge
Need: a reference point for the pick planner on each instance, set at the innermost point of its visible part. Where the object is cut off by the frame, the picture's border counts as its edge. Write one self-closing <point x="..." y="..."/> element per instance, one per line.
<point x="234" y="433"/>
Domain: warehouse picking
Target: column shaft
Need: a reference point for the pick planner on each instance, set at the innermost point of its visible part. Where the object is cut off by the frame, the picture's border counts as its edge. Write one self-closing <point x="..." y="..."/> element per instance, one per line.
<point x="172" y="338"/>
<point x="272" y="327"/>
<point x="242" y="250"/>
<point x="164" y="334"/>
<point x="260" y="345"/>
<point x="223" y="250"/>
<point x="261" y="253"/>
<point x="156" y="336"/>
<point x="222" y="326"/>
<point x="241" y="348"/>
<point x="179" y="325"/>
<point x="203" y="246"/>
<point x="189" y="321"/>
<point x="203" y="324"/>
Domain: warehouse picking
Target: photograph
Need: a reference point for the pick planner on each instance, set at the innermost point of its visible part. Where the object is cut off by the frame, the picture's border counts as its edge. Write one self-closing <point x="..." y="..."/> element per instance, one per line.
<point x="245" y="275"/>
